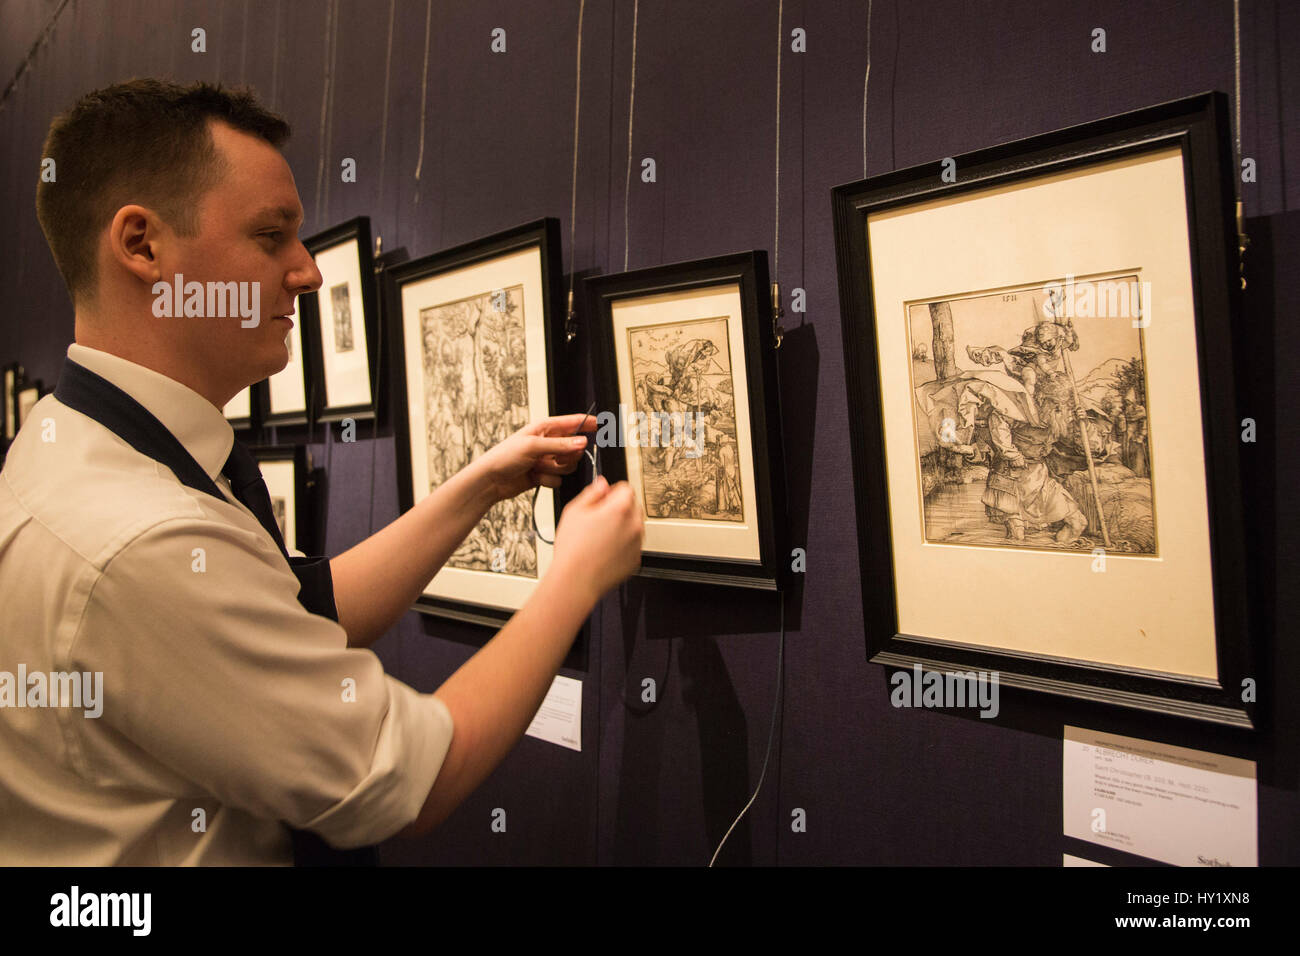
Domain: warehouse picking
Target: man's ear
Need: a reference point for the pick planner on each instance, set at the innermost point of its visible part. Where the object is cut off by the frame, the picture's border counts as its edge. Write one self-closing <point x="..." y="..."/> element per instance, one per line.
<point x="135" y="238"/>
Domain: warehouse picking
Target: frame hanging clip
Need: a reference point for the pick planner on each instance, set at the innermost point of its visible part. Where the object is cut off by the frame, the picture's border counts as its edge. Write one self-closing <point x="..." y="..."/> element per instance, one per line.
<point x="1243" y="241"/>
<point x="570" y="324"/>
<point x="379" y="255"/>
<point x="778" y="332"/>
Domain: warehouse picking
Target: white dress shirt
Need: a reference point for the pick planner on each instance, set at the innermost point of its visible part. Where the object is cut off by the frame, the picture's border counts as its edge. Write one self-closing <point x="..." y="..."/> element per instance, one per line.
<point x="220" y="692"/>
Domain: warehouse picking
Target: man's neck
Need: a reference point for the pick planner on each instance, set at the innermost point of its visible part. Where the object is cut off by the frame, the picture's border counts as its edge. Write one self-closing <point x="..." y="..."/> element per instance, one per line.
<point x="150" y="355"/>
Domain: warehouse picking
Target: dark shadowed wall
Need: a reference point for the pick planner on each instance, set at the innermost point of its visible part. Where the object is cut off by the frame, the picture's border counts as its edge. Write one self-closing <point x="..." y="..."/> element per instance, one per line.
<point x="476" y="142"/>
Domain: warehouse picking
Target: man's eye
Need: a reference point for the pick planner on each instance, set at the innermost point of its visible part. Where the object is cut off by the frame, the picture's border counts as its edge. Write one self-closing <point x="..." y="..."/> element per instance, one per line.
<point x="276" y="235"/>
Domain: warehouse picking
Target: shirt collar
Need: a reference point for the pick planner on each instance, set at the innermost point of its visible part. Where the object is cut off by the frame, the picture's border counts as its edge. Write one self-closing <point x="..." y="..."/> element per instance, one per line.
<point x="197" y="424"/>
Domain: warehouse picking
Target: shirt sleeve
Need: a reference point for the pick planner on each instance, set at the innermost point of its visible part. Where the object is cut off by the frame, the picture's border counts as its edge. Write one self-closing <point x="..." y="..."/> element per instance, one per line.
<point x="212" y="667"/>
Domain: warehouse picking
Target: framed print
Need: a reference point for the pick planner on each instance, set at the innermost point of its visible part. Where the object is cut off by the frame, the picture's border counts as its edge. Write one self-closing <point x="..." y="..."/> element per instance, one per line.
<point x="29" y="393"/>
<point x="686" y="378"/>
<point x="286" y="397"/>
<point x="344" y="323"/>
<point x="239" y="410"/>
<point x="284" y="469"/>
<point x="13" y="377"/>
<point x="475" y="332"/>
<point x="1042" y="413"/>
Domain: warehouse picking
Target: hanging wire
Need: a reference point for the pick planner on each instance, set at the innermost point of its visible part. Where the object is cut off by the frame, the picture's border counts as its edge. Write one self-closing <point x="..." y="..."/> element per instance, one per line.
<point x="1236" y="67"/>
<point x="866" y="78"/>
<point x="631" y="102"/>
<point x="771" y="733"/>
<point x="324" y="113"/>
<point x="777" y="311"/>
<point x="424" y="95"/>
<point x="780" y="47"/>
<point x="275" y="61"/>
<point x="383" y="122"/>
<point x="570" y="329"/>
<point x="1243" y="240"/>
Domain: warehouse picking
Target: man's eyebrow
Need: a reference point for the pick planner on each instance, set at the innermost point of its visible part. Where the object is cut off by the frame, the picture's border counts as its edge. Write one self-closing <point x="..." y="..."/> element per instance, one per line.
<point x="286" y="213"/>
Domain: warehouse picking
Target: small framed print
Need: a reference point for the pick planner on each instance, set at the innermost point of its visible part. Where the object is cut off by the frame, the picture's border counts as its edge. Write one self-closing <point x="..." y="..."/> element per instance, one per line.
<point x="344" y="324"/>
<point x="686" y="376"/>
<point x="239" y="410"/>
<point x="13" y="376"/>
<point x="29" y="393"/>
<point x="286" y="397"/>
<point x="285" y="469"/>
<point x="475" y="332"/>
<point x="1042" y="414"/>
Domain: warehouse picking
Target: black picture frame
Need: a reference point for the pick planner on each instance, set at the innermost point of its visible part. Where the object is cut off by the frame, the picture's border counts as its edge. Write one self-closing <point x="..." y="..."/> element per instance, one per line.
<point x="322" y="407"/>
<point x="28" y="385"/>
<point x="544" y="234"/>
<point x="1199" y="127"/>
<point x="246" y="423"/>
<point x="747" y="271"/>
<point x="310" y="360"/>
<point x="304" y="538"/>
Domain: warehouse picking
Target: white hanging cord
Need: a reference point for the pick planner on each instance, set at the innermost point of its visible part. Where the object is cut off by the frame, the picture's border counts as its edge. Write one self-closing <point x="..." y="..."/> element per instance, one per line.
<point x="1243" y="240"/>
<point x="1236" y="67"/>
<point x="865" y="80"/>
<point x="275" y="61"/>
<point x="424" y="93"/>
<point x="324" y="113"/>
<point x="771" y="734"/>
<point x="776" y="238"/>
<point x="329" y="120"/>
<point x="383" y="123"/>
<point x="569" y="329"/>
<point x="631" y="102"/>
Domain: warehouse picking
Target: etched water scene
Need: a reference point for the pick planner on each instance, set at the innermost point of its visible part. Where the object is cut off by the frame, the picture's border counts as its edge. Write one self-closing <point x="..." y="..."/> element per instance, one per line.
<point x="341" y="308"/>
<point x="690" y="467"/>
<point x="1032" y="417"/>
<point x="475" y="396"/>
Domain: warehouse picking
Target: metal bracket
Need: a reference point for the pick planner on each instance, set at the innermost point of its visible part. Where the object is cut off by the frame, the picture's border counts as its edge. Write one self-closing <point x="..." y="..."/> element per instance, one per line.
<point x="570" y="324"/>
<point x="1243" y="241"/>
<point x="778" y="333"/>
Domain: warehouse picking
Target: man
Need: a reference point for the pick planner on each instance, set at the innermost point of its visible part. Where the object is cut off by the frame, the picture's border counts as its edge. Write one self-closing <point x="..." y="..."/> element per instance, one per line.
<point x="240" y="708"/>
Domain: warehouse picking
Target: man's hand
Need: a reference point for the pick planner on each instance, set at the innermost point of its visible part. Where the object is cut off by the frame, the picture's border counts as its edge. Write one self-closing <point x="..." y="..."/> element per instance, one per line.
<point x="539" y="453"/>
<point x="598" y="540"/>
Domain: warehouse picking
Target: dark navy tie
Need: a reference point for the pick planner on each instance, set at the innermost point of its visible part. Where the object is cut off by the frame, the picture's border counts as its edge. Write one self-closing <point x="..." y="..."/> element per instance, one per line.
<point x="249" y="489"/>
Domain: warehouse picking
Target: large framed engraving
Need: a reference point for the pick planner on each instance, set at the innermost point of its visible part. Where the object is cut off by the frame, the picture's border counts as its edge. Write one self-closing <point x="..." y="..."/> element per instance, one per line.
<point x="340" y="323"/>
<point x="1042" y="415"/>
<point x="686" y="380"/>
<point x="475" y="332"/>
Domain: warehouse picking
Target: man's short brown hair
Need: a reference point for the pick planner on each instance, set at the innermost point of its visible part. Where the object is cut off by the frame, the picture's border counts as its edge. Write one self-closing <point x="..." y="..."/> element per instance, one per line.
<point x="143" y="141"/>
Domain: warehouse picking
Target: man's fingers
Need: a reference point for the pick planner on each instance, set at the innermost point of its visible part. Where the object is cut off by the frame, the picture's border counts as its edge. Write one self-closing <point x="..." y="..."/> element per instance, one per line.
<point x="565" y="424"/>
<point x="549" y="481"/>
<point x="539" y="446"/>
<point x="593" y="493"/>
<point x="559" y="465"/>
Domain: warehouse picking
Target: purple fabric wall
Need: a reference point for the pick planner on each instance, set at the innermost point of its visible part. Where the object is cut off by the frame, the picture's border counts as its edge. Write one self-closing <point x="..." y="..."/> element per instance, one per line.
<point x="660" y="784"/>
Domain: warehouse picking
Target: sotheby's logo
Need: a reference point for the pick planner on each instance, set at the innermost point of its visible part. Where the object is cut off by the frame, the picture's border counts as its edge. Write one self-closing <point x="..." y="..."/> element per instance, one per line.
<point x="103" y="909"/>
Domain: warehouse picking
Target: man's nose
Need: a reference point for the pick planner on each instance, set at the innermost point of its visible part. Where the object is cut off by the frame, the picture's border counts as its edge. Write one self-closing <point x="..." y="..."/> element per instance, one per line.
<point x="305" y="276"/>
